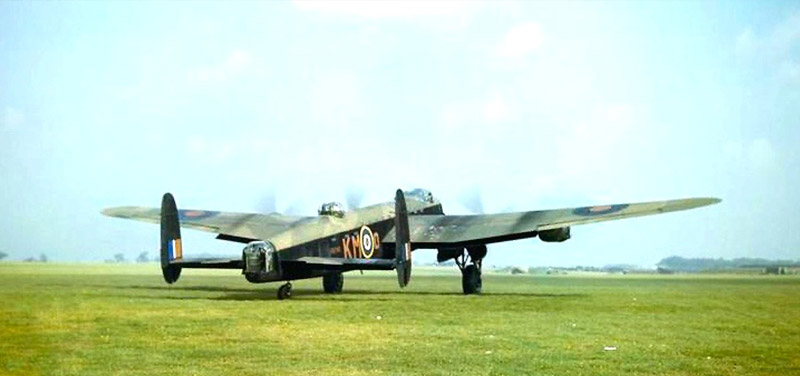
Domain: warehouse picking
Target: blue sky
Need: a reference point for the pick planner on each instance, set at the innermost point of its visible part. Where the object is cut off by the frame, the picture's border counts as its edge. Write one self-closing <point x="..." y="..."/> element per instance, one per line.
<point x="537" y="105"/>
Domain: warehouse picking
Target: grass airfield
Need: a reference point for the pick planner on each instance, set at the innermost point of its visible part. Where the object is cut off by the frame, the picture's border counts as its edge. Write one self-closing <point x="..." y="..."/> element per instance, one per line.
<point x="83" y="319"/>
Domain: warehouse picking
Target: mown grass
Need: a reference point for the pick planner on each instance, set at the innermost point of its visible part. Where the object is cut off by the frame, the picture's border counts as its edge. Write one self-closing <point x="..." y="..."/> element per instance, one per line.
<point x="123" y="320"/>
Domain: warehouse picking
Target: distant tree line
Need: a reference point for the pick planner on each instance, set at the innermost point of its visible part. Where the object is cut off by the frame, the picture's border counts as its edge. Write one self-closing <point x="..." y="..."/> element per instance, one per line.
<point x="119" y="258"/>
<point x="42" y="258"/>
<point x="681" y="264"/>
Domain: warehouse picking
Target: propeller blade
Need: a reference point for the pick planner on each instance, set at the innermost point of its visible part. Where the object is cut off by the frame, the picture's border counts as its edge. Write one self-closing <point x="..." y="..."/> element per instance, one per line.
<point x="472" y="200"/>
<point x="354" y="196"/>
<point x="295" y="209"/>
<point x="268" y="203"/>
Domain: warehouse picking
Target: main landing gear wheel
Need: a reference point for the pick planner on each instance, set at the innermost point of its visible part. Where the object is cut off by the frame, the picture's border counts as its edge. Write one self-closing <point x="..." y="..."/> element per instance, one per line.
<point x="470" y="262"/>
<point x="471" y="280"/>
<point x="285" y="291"/>
<point x="333" y="283"/>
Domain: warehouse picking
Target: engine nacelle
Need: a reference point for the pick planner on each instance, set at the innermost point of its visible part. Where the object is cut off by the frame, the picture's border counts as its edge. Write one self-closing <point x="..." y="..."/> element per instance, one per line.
<point x="445" y="254"/>
<point x="555" y="235"/>
<point x="261" y="263"/>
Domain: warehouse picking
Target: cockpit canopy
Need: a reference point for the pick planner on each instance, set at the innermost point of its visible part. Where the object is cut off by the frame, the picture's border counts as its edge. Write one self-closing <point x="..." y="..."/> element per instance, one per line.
<point x="419" y="194"/>
<point x="331" y="208"/>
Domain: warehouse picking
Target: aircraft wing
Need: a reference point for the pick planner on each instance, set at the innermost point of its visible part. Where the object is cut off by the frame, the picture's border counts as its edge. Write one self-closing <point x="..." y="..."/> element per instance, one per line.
<point x="241" y="227"/>
<point x="434" y="231"/>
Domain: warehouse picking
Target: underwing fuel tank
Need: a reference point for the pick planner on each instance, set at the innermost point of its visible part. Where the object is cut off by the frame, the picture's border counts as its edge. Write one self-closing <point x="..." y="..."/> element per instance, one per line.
<point x="261" y="263"/>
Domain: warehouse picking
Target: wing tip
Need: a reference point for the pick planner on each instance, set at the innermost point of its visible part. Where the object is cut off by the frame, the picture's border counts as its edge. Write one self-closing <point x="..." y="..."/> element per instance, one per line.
<point x="118" y="211"/>
<point x="705" y="201"/>
<point x="691" y="203"/>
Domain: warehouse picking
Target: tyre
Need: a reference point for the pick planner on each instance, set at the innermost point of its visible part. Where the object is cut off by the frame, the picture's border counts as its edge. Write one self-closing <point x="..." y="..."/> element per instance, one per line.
<point x="285" y="292"/>
<point x="471" y="280"/>
<point x="333" y="283"/>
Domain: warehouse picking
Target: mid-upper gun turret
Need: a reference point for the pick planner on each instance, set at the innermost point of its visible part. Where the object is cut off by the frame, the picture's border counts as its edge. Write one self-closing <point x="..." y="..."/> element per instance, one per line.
<point x="333" y="209"/>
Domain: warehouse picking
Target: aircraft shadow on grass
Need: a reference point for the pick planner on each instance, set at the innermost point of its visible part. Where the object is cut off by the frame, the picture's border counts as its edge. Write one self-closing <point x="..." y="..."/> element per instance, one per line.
<point x="242" y="294"/>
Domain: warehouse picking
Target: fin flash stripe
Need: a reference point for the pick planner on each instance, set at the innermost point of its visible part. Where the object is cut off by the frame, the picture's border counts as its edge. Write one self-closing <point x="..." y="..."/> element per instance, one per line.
<point x="175" y="249"/>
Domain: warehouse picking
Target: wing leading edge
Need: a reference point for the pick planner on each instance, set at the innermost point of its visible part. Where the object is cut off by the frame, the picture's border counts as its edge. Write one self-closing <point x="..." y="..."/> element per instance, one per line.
<point x="233" y="226"/>
<point x="432" y="231"/>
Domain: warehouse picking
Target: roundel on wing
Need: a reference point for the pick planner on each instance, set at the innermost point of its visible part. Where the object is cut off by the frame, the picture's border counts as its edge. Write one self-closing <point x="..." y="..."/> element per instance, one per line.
<point x="195" y="214"/>
<point x="589" y="211"/>
<point x="367" y="242"/>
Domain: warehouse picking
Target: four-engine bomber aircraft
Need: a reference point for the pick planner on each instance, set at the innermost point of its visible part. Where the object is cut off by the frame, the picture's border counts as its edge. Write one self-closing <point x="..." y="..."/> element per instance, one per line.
<point x="377" y="237"/>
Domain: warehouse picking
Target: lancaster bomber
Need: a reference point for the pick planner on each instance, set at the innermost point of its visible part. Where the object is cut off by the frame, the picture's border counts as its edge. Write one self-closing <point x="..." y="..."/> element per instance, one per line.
<point x="377" y="237"/>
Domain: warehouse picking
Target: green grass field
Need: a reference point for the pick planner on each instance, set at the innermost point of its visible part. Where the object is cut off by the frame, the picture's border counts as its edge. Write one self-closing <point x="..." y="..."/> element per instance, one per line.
<point x="123" y="320"/>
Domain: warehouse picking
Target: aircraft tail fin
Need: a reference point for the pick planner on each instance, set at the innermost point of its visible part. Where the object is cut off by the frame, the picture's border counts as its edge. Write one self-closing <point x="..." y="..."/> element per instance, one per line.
<point x="402" y="243"/>
<point x="171" y="247"/>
